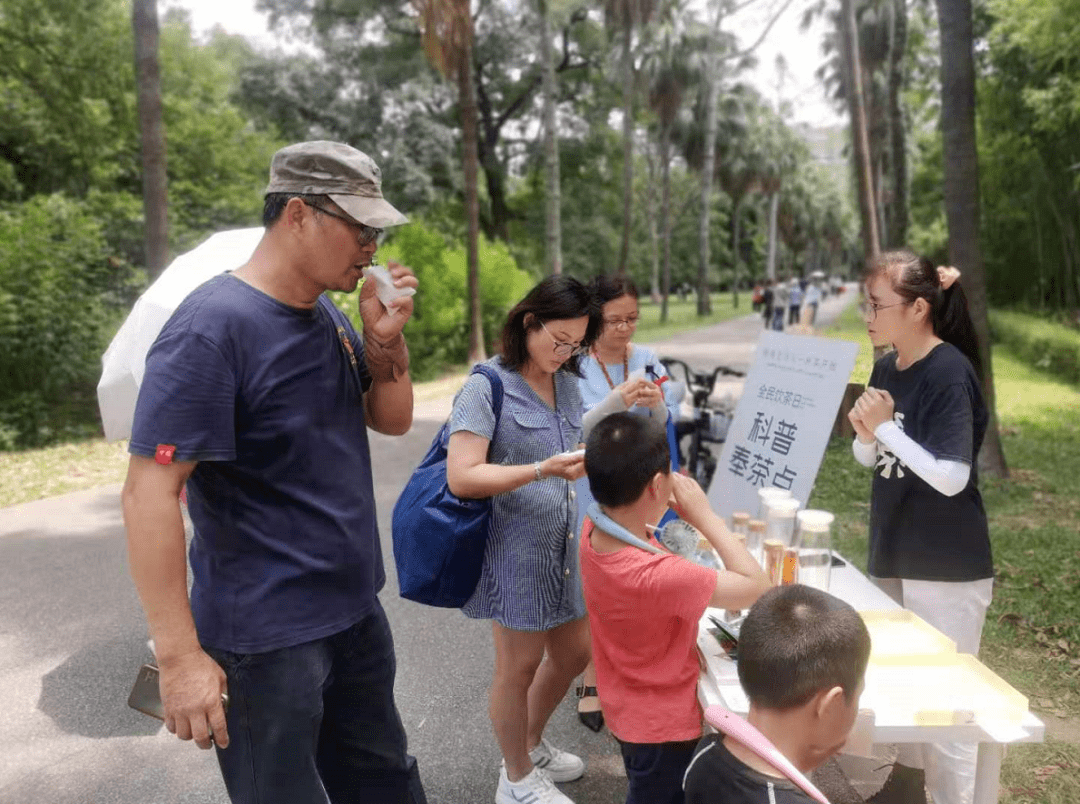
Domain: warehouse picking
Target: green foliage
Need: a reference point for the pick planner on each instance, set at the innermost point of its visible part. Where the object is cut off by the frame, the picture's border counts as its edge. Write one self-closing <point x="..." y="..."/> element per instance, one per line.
<point x="1028" y="126"/>
<point x="58" y="287"/>
<point x="438" y="333"/>
<point x="592" y="216"/>
<point x="1045" y="344"/>
<point x="217" y="161"/>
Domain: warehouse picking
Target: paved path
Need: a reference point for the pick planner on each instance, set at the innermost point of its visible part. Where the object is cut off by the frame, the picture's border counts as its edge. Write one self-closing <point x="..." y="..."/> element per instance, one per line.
<point x="72" y="636"/>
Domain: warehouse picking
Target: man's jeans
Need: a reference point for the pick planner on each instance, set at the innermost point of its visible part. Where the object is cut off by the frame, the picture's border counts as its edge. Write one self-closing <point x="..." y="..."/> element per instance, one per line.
<point x="316" y="723"/>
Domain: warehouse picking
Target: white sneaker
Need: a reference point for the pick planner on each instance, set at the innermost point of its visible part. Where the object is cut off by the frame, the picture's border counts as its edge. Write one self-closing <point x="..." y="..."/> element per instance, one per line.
<point x="561" y="766"/>
<point x="536" y="788"/>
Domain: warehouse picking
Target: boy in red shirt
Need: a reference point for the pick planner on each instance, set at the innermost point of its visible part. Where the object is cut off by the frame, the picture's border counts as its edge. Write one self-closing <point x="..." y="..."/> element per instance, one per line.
<point x="644" y="608"/>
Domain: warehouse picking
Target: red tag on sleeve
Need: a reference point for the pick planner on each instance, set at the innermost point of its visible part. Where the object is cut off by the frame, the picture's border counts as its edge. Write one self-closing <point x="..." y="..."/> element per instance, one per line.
<point x="164" y="453"/>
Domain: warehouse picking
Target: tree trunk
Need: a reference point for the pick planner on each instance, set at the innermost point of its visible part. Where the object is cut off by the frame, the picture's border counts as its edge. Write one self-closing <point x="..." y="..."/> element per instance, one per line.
<point x="144" y="22"/>
<point x="470" y="160"/>
<point x="898" y="207"/>
<point x="628" y="145"/>
<point x="849" y="39"/>
<point x="495" y="180"/>
<point x="704" y="302"/>
<point x="736" y="208"/>
<point x="553" y="241"/>
<point x="654" y="231"/>
<point x="962" y="196"/>
<point x="665" y="216"/>
<point x="774" y="207"/>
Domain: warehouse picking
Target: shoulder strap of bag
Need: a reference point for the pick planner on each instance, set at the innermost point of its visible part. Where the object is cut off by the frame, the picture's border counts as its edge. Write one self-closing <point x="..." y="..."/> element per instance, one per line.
<point x="496" y="388"/>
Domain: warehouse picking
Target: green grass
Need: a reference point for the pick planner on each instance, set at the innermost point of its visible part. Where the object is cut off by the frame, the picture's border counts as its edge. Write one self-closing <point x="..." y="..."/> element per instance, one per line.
<point x="1042" y="341"/>
<point x="683" y="315"/>
<point x="1032" y="633"/>
<point x="1041" y="774"/>
<point x="38" y="473"/>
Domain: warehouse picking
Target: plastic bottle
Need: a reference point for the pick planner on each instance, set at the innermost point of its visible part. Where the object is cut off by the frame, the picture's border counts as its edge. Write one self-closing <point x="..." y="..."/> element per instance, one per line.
<point x="706" y="556"/>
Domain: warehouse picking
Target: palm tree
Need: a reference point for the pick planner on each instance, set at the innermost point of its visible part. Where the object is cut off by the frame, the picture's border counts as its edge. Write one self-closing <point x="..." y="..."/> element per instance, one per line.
<point x="897" y="125"/>
<point x="737" y="171"/>
<point x="553" y="240"/>
<point x="625" y="16"/>
<point x="849" y="38"/>
<point x="446" y="28"/>
<point x="962" y="195"/>
<point x="720" y="42"/>
<point x="781" y="152"/>
<point x="675" y="67"/>
<point x="734" y="160"/>
<point x="144" y="24"/>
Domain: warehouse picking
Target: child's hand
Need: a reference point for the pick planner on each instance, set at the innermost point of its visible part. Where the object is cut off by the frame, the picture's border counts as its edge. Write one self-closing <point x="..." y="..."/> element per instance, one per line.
<point x="865" y="435"/>
<point x="689" y="500"/>
<point x="874" y="408"/>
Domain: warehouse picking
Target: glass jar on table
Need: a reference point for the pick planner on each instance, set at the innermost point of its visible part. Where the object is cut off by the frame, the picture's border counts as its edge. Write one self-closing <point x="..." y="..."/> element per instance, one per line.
<point x="766" y="496"/>
<point x="814" y="539"/>
<point x="780" y="547"/>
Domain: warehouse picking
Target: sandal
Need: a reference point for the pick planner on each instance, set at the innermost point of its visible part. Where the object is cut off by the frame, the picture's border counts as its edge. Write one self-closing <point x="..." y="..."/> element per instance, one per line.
<point x="594" y="719"/>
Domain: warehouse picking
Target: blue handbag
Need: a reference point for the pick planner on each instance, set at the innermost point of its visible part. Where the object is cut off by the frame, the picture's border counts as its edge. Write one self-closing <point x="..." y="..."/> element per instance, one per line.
<point x="439" y="538"/>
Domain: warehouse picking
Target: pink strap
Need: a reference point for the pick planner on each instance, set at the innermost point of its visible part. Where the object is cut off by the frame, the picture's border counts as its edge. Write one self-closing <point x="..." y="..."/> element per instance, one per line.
<point x="745" y="733"/>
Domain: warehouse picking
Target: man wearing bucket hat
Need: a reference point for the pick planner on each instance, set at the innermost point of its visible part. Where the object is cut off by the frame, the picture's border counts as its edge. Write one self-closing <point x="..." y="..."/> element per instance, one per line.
<point x="256" y="398"/>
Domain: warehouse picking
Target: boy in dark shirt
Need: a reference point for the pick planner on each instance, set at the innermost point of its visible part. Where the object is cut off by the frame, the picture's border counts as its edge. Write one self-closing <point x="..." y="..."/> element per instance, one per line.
<point x="802" y="657"/>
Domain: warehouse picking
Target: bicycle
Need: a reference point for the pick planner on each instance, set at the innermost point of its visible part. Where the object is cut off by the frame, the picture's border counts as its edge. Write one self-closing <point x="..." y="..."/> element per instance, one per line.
<point x="709" y="422"/>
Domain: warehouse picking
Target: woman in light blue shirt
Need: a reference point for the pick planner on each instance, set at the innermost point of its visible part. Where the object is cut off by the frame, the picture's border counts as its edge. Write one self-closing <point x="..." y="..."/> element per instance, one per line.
<point x="616" y="375"/>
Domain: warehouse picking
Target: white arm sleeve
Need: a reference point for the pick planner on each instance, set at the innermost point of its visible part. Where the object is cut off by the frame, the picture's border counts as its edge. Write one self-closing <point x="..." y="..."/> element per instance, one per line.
<point x="866" y="454"/>
<point x="948" y="477"/>
<point x="612" y="403"/>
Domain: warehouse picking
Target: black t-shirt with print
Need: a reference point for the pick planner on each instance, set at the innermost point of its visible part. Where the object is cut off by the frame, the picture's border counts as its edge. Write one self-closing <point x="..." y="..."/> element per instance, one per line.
<point x="916" y="532"/>
<point x="716" y="776"/>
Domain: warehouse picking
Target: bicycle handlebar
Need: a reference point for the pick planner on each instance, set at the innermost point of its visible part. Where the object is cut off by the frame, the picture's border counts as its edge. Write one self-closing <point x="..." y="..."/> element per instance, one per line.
<point x="701" y="380"/>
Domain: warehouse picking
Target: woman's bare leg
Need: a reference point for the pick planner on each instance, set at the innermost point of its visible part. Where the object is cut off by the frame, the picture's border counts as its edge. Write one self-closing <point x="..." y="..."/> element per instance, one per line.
<point x="568" y="653"/>
<point x="517" y="655"/>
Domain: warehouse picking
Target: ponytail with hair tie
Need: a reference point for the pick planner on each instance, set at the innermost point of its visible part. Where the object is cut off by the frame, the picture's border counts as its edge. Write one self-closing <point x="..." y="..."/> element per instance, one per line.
<point x="914" y="277"/>
<point x="947" y="275"/>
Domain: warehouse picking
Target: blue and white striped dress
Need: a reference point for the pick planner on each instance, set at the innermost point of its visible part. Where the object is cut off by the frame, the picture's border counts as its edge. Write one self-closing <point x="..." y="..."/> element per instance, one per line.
<point x="531" y="579"/>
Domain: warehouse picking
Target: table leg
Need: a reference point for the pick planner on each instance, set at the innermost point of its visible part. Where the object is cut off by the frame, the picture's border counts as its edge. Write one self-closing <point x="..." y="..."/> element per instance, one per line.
<point x="988" y="773"/>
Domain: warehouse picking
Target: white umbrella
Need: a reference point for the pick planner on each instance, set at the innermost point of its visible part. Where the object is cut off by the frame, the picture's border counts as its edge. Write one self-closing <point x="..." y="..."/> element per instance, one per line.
<point x="124" y="362"/>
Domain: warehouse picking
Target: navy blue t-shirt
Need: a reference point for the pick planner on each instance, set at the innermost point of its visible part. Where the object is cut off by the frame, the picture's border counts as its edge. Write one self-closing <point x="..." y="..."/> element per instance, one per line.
<point x="267" y="398"/>
<point x="916" y="532"/>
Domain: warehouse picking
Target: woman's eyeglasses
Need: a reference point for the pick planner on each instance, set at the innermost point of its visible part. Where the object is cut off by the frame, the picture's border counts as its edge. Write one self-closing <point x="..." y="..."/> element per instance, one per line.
<point x="562" y="349"/>
<point x="364" y="233"/>
<point x="876" y="308"/>
<point x="622" y="323"/>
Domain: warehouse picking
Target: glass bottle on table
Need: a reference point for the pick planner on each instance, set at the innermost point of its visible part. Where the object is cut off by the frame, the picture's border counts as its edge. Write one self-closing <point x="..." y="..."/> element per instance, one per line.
<point x="755" y="539"/>
<point x="765" y="498"/>
<point x="780" y="546"/>
<point x="814" y="540"/>
<point x="740" y="528"/>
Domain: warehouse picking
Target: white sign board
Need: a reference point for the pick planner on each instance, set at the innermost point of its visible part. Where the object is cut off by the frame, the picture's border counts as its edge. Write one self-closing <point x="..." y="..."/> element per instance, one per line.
<point x="783" y="420"/>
